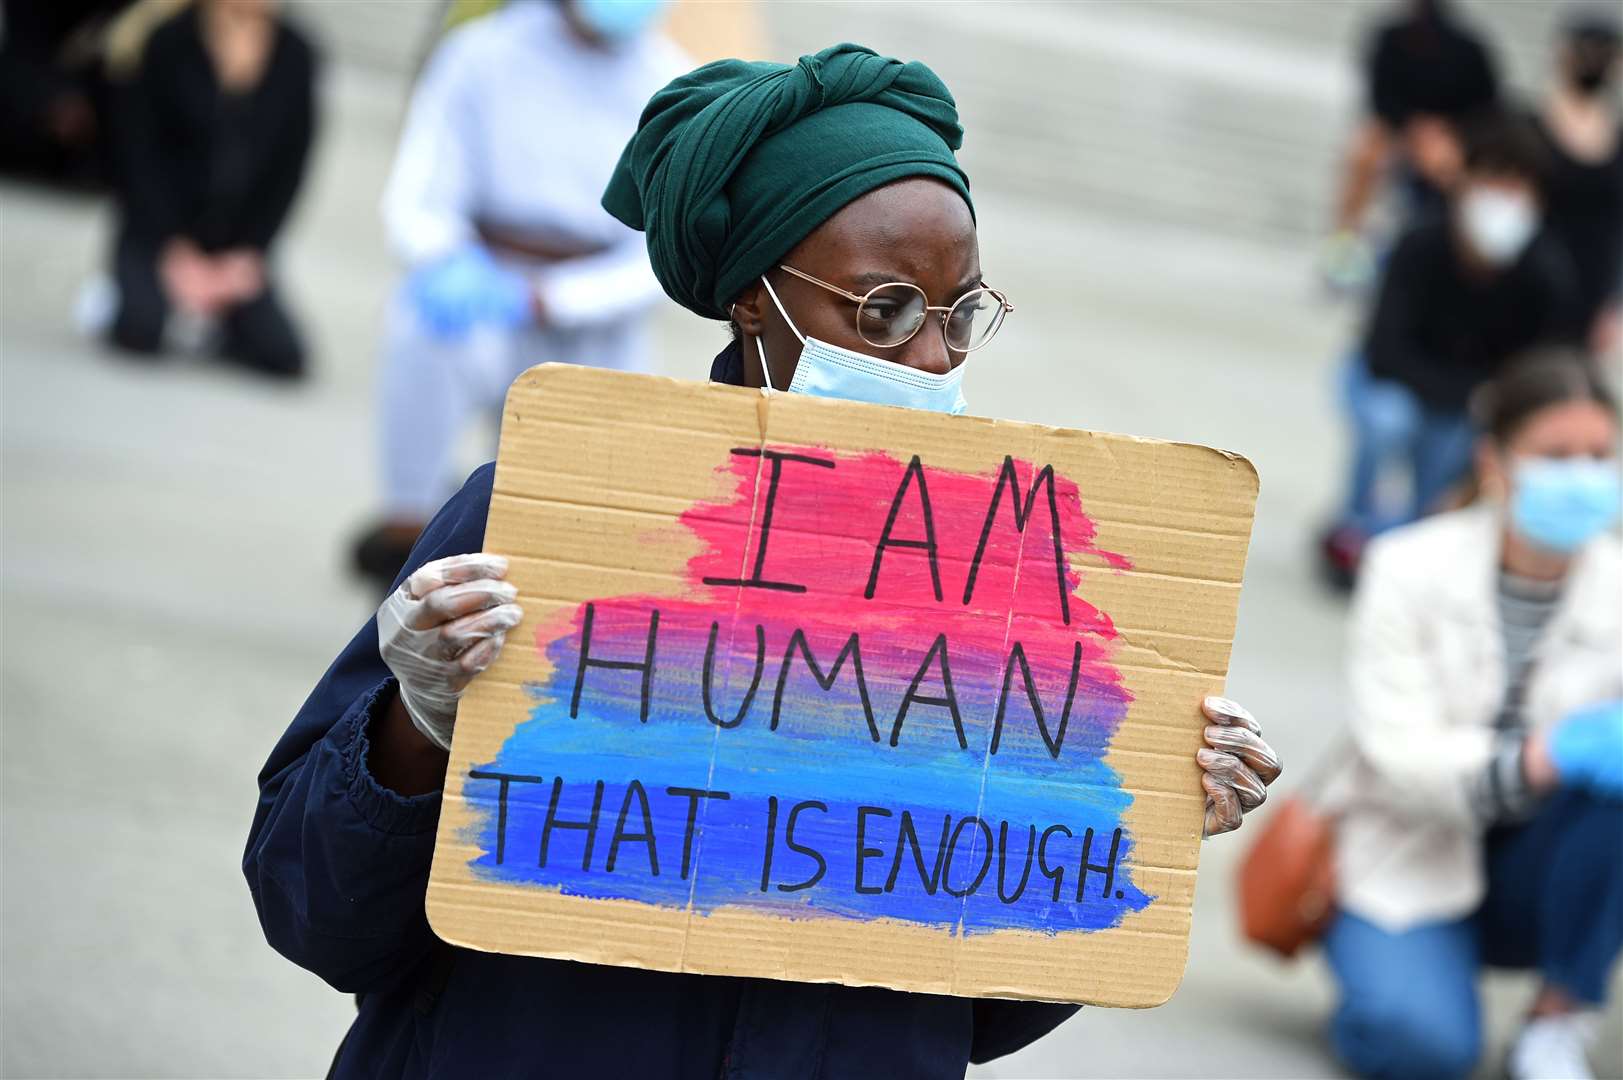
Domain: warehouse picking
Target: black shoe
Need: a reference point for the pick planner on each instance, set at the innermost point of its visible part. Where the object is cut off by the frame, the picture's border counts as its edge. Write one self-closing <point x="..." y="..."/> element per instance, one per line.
<point x="381" y="552"/>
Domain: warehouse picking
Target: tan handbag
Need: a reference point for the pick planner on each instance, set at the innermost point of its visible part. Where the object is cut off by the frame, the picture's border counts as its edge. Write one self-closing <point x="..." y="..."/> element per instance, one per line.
<point x="1287" y="881"/>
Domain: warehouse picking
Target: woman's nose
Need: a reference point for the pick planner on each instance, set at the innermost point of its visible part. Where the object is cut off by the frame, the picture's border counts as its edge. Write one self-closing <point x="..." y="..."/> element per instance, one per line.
<point x="927" y="349"/>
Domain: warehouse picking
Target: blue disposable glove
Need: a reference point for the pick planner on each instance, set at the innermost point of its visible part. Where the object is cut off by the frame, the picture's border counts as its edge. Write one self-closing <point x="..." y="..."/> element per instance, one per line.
<point x="1586" y="748"/>
<point x="467" y="288"/>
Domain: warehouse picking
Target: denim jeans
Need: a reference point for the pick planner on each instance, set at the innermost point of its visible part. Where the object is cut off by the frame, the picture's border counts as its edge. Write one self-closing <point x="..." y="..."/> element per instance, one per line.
<point x="1408" y="1003"/>
<point x="1392" y="427"/>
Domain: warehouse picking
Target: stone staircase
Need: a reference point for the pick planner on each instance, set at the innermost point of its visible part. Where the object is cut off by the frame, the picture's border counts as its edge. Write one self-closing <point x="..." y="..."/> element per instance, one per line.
<point x="1227" y="114"/>
<point x="1224" y="114"/>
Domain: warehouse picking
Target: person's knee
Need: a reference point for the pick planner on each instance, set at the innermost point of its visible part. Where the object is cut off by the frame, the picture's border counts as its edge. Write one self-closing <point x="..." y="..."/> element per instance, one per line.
<point x="422" y="371"/>
<point x="137" y="329"/>
<point x="282" y="356"/>
<point x="136" y="338"/>
<point x="1439" y="1051"/>
<point x="1596" y="822"/>
<point x="262" y="336"/>
<point x="1392" y="1041"/>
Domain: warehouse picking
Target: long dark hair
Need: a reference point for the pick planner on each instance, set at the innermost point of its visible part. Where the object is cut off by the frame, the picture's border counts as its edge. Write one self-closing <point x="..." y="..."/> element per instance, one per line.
<point x="1533" y="382"/>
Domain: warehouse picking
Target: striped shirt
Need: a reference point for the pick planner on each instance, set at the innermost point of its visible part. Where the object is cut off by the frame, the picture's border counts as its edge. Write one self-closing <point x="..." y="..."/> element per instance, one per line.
<point x="1502" y="794"/>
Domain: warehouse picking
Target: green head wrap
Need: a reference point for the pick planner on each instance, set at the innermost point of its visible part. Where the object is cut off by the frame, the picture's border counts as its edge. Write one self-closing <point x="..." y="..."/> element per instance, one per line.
<point x="734" y="164"/>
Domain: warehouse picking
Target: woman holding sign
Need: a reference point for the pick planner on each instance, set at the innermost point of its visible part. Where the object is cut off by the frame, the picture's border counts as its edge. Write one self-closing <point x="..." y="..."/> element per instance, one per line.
<point x="820" y="208"/>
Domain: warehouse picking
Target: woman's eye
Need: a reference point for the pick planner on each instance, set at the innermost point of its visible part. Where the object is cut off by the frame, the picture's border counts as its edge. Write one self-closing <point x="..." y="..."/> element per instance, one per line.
<point x="880" y="311"/>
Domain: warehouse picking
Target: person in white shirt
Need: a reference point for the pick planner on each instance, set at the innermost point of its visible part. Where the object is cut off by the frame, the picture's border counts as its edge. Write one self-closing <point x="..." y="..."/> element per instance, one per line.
<point x="1481" y="820"/>
<point x="493" y="207"/>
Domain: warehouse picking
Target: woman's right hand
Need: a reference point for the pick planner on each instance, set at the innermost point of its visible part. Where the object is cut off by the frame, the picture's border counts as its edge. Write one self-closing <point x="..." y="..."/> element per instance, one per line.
<point x="445" y="624"/>
<point x="1584" y="750"/>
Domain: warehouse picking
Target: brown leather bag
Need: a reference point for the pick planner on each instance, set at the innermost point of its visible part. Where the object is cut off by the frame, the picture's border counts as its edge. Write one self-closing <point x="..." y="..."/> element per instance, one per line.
<point x="1287" y="881"/>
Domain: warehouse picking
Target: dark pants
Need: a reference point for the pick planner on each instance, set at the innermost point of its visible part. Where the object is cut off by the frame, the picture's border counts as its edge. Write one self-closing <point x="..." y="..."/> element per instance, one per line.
<point x="257" y="333"/>
<point x="1408" y="1007"/>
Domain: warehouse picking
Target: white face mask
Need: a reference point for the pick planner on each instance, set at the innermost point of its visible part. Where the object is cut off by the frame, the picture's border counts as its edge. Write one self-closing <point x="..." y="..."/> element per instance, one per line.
<point x="829" y="371"/>
<point x="1498" y="224"/>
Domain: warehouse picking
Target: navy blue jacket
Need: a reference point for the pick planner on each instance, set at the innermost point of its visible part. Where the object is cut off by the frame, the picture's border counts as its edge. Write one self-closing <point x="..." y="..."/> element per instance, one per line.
<point x="338" y="868"/>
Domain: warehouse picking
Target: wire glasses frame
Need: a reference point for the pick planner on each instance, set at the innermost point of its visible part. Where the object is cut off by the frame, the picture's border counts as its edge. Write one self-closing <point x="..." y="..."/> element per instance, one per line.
<point x="913" y="311"/>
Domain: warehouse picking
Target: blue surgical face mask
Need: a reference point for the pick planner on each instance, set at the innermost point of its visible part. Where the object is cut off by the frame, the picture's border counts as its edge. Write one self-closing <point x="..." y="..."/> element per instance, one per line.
<point x="829" y="371"/>
<point x="1559" y="504"/>
<point x="618" y="20"/>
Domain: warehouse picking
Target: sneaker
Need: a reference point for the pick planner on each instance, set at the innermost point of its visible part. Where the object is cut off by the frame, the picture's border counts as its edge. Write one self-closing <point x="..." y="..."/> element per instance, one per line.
<point x="1553" y="1048"/>
<point x="381" y="551"/>
<point x="1339" y="551"/>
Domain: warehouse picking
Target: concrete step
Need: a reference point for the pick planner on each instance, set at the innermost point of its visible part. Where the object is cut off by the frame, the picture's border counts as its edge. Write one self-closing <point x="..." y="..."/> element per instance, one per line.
<point x="1225" y="113"/>
<point x="1230" y="113"/>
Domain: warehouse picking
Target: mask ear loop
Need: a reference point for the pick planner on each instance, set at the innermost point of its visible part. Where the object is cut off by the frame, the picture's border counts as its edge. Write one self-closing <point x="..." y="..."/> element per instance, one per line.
<point x="760" y="350"/>
<point x="770" y="291"/>
<point x="766" y="372"/>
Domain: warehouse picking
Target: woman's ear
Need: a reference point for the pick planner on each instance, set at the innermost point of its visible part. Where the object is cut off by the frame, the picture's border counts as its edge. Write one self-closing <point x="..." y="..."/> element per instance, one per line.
<point x="746" y="311"/>
<point x="1492" y="478"/>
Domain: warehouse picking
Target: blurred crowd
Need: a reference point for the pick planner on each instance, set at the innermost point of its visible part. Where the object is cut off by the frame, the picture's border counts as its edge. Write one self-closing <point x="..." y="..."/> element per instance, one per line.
<point x="1482" y="234"/>
<point x="1503" y="232"/>
<point x="200" y="119"/>
<point x="1474" y="816"/>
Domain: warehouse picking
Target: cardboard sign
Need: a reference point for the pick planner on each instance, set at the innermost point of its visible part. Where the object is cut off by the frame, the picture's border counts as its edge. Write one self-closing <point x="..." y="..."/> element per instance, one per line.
<point x="830" y="692"/>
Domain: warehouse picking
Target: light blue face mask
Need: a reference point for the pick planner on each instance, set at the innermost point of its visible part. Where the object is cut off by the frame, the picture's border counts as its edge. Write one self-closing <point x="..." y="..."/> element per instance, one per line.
<point x="618" y="20"/>
<point x="1560" y="504"/>
<point x="829" y="371"/>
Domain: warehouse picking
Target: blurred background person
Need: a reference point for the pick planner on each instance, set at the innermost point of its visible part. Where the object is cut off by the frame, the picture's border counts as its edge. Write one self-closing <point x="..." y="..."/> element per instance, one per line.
<point x="1459" y="294"/>
<point x="1482" y="821"/>
<point x="53" y="122"/>
<point x="1584" y="192"/>
<point x="493" y="206"/>
<point x="1426" y="72"/>
<point x="213" y="132"/>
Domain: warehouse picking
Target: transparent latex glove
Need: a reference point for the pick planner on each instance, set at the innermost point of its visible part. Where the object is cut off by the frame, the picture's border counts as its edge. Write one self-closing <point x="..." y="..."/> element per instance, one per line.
<point x="445" y="624"/>
<point x="1236" y="764"/>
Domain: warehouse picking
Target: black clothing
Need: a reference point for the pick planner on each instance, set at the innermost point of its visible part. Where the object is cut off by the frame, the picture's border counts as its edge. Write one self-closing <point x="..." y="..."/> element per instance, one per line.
<point x="728" y="366"/>
<point x="1583" y="210"/>
<point x="338" y="866"/>
<point x="218" y="167"/>
<point x="257" y="334"/>
<point x="1431" y="66"/>
<point x="1442" y="330"/>
<point x="42" y="71"/>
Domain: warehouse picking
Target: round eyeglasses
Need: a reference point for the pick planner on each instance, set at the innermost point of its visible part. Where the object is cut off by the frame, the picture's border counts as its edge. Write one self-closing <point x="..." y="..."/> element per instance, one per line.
<point x="889" y="315"/>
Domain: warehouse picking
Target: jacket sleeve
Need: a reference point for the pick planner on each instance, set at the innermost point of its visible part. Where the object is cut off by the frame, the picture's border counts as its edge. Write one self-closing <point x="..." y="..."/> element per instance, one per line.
<point x="429" y="200"/>
<point x="1561" y="313"/>
<point x="1399" y="717"/>
<point x="1392" y="347"/>
<point x="285" y="168"/>
<point x="1002" y="1027"/>
<point x="338" y="864"/>
<point x="140" y="135"/>
<point x="612" y="285"/>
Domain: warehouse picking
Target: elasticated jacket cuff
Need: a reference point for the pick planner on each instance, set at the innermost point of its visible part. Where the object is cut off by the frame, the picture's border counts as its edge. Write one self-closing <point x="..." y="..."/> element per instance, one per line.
<point x="382" y="808"/>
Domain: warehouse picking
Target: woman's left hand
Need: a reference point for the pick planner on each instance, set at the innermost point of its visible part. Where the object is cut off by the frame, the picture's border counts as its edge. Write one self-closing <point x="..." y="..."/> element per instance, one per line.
<point x="1236" y="765"/>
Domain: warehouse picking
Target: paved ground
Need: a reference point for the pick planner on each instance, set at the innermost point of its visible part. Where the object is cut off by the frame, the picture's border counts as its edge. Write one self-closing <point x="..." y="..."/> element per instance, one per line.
<point x="172" y="585"/>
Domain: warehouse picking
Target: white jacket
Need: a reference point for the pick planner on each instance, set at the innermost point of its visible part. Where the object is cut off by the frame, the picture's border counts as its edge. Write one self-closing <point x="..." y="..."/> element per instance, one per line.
<point x="1427" y="678"/>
